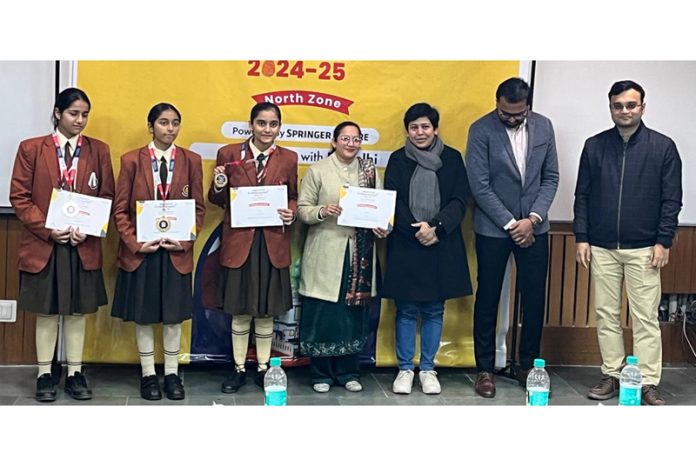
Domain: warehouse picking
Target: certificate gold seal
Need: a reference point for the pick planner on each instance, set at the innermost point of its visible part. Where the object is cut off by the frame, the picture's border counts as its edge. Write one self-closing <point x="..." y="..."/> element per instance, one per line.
<point x="220" y="180"/>
<point x="163" y="224"/>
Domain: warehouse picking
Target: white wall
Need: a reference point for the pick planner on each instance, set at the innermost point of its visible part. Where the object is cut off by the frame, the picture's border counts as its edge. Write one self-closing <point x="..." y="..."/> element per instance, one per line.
<point x="27" y="96"/>
<point x="574" y="96"/>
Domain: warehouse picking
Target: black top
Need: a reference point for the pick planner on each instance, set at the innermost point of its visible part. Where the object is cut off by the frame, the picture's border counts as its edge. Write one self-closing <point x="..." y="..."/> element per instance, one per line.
<point x="427" y="273"/>
<point x="628" y="194"/>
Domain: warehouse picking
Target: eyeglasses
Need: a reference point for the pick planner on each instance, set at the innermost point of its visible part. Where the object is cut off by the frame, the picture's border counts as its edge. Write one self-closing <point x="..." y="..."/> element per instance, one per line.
<point x="347" y="139"/>
<point x="517" y="116"/>
<point x="618" y="106"/>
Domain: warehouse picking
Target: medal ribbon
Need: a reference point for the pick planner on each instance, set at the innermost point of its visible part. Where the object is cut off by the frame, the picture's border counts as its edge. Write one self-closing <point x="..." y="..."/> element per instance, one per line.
<point x="68" y="175"/>
<point x="164" y="191"/>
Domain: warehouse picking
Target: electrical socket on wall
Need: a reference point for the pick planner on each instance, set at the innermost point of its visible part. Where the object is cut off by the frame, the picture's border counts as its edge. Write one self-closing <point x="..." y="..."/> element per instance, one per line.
<point x="8" y="310"/>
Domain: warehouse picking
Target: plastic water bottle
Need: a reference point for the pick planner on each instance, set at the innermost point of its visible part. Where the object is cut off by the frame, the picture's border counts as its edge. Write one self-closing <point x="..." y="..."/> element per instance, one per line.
<point x="630" y="383"/>
<point x="275" y="384"/>
<point x="538" y="385"/>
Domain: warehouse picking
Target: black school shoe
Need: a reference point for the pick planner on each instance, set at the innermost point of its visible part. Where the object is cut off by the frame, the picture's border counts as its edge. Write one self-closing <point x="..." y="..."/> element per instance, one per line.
<point x="76" y="387"/>
<point x="45" y="388"/>
<point x="234" y="382"/>
<point x="150" y="388"/>
<point x="173" y="387"/>
<point x="260" y="376"/>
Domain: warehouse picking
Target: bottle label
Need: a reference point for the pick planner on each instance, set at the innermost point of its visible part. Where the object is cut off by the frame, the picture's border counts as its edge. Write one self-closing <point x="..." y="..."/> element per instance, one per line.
<point x="537" y="397"/>
<point x="276" y="397"/>
<point x="629" y="396"/>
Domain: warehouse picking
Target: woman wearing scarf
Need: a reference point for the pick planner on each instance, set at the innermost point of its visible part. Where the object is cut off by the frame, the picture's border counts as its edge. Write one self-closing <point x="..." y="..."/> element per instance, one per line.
<point x="426" y="257"/>
<point x="338" y="265"/>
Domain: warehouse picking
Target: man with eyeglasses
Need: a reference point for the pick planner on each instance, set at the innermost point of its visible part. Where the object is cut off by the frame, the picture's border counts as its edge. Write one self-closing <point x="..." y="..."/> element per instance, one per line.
<point x="513" y="173"/>
<point x="627" y="200"/>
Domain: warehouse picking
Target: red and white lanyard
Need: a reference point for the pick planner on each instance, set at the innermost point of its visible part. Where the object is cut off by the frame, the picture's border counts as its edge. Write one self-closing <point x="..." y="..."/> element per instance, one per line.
<point x="68" y="175"/>
<point x="164" y="191"/>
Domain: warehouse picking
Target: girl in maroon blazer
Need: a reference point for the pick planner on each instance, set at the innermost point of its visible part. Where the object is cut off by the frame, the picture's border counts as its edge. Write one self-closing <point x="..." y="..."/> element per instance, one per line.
<point x="255" y="281"/>
<point x="60" y="270"/>
<point x="153" y="284"/>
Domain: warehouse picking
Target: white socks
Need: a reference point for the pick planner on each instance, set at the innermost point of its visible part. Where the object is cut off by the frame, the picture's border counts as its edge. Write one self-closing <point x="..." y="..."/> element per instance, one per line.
<point x="263" y="332"/>
<point x="144" y="335"/>
<point x="47" y="334"/>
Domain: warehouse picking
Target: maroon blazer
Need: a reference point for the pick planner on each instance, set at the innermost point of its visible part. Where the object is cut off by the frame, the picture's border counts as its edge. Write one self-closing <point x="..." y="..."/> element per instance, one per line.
<point x="36" y="172"/>
<point x="281" y="168"/>
<point x="136" y="183"/>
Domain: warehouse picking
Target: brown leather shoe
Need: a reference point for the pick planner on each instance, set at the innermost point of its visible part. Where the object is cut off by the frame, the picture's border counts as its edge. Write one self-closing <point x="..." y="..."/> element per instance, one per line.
<point x="651" y="396"/>
<point x="485" y="384"/>
<point x="607" y="388"/>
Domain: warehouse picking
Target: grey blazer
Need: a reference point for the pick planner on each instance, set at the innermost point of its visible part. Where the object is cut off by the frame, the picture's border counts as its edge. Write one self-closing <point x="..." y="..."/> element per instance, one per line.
<point x="495" y="180"/>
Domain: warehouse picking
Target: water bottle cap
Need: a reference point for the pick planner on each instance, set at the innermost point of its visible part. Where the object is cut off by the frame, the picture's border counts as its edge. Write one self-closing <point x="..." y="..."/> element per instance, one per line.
<point x="539" y="363"/>
<point x="632" y="360"/>
<point x="275" y="362"/>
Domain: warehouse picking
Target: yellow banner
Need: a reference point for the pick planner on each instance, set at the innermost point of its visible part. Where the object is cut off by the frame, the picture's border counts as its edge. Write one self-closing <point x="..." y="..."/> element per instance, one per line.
<point x="215" y="99"/>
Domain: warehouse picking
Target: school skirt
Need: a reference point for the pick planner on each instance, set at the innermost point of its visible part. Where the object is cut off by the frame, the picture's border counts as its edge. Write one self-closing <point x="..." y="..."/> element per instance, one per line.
<point x="63" y="287"/>
<point x="153" y="293"/>
<point x="256" y="288"/>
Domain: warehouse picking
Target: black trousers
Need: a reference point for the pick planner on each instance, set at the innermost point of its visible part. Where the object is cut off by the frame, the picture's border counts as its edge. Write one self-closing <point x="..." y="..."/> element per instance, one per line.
<point x="532" y="267"/>
<point x="335" y="369"/>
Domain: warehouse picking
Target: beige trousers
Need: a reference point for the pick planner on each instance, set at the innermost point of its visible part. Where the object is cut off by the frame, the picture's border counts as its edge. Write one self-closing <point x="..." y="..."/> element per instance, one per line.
<point x="609" y="269"/>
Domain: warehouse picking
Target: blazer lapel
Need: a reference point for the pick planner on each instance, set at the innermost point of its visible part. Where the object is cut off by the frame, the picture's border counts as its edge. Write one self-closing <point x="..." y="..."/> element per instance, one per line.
<point x="48" y="153"/>
<point x="272" y="165"/>
<point x="180" y="168"/>
<point x="249" y="164"/>
<point x="531" y="132"/>
<point x="146" y="167"/>
<point x="82" y="165"/>
<point x="505" y="140"/>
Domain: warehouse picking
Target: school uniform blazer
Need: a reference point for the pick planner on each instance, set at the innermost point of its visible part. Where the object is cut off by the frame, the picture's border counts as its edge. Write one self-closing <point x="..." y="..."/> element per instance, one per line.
<point x="36" y="172"/>
<point x="281" y="168"/>
<point x="136" y="183"/>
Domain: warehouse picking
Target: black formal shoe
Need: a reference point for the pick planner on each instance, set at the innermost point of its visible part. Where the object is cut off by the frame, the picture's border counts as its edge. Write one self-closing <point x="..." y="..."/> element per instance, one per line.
<point x="76" y="387"/>
<point x="150" y="388"/>
<point x="258" y="379"/>
<point x="45" y="389"/>
<point x="234" y="382"/>
<point x="173" y="387"/>
<point x="522" y="377"/>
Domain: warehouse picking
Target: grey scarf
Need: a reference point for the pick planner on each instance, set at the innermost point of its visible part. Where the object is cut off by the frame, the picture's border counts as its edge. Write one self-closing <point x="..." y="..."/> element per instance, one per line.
<point x="424" y="190"/>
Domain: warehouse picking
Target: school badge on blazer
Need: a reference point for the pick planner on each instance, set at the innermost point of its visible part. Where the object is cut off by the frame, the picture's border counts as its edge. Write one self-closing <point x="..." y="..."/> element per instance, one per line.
<point x="185" y="191"/>
<point x="93" y="181"/>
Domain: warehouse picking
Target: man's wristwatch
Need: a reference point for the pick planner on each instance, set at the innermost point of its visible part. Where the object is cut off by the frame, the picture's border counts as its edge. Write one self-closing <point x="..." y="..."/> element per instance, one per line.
<point x="535" y="221"/>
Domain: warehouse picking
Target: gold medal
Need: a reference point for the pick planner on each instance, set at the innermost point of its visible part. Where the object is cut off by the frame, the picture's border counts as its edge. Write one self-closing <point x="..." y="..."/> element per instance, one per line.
<point x="220" y="180"/>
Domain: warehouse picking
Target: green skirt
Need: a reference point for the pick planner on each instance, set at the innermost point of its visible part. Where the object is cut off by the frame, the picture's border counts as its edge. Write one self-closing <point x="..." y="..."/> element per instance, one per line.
<point x="333" y="329"/>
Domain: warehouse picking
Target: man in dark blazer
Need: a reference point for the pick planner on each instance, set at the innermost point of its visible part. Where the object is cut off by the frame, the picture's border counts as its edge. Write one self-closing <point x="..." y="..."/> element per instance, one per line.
<point x="513" y="174"/>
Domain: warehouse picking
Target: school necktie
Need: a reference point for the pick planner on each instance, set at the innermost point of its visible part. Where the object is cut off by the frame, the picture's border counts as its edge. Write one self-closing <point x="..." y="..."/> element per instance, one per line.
<point x="163" y="172"/>
<point x="68" y="156"/>
<point x="260" y="169"/>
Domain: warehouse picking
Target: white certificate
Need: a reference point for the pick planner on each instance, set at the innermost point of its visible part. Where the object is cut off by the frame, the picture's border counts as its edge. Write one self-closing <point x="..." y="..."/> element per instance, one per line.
<point x="88" y="213"/>
<point x="366" y="207"/>
<point x="257" y="206"/>
<point x="175" y="220"/>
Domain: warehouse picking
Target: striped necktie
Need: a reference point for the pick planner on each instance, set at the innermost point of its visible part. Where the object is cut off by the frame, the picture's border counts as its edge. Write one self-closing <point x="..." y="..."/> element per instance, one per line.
<point x="260" y="168"/>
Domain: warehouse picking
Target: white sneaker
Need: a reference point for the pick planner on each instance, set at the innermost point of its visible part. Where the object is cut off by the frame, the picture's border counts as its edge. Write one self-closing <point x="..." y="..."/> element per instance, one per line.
<point x="403" y="382"/>
<point x="321" y="387"/>
<point x="353" y="386"/>
<point x="429" y="382"/>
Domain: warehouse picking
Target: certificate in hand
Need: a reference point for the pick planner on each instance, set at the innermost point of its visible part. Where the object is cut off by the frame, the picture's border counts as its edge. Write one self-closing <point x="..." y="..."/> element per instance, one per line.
<point x="257" y="206"/>
<point x="366" y="207"/>
<point x="175" y="220"/>
<point x="88" y="213"/>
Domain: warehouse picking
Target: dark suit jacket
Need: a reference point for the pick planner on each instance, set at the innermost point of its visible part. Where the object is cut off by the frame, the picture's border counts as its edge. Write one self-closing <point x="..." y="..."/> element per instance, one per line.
<point x="281" y="168"/>
<point x="36" y="172"/>
<point x="136" y="183"/>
